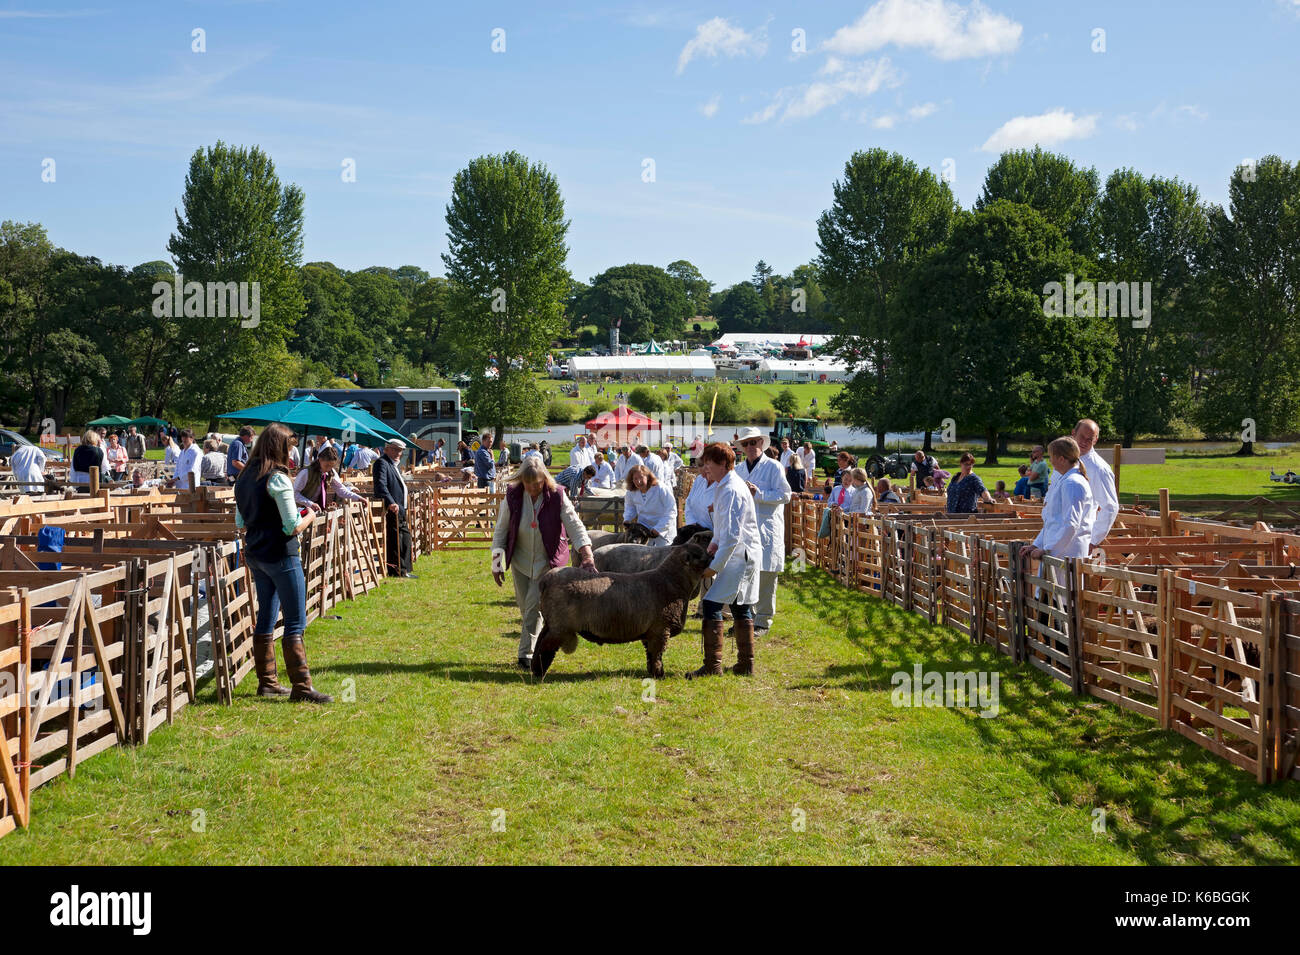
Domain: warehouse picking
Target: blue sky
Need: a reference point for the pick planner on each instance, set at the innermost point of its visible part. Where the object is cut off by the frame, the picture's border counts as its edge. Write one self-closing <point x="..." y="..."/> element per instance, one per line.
<point x="746" y="134"/>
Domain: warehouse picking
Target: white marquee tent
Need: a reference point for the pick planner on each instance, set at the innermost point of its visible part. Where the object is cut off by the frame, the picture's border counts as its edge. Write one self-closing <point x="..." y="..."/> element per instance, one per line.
<point x="813" y="370"/>
<point x="653" y="366"/>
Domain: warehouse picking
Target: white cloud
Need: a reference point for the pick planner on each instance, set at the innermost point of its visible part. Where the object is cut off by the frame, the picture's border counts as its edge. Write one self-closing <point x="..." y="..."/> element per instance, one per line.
<point x="718" y="36"/>
<point x="943" y="28"/>
<point x="1046" y="129"/>
<point x="922" y="111"/>
<point x="1127" y="122"/>
<point x="850" y="80"/>
<point x="710" y="109"/>
<point x="1195" y="112"/>
<point x="884" y="122"/>
<point x="832" y="66"/>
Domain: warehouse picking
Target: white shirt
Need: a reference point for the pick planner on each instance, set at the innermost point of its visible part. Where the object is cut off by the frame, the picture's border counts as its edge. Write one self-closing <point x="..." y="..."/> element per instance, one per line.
<point x="28" y="464"/>
<point x="581" y="457"/>
<point x="1101" y="481"/>
<point x="1068" y="513"/>
<point x="809" y="459"/>
<point x="171" y="454"/>
<point x="659" y="468"/>
<point x="655" y="508"/>
<point x="699" y="502"/>
<point x="785" y="457"/>
<point x="604" y="476"/>
<point x="769" y="507"/>
<point x="188" y="473"/>
<point x="364" y="458"/>
<point x="735" y="532"/>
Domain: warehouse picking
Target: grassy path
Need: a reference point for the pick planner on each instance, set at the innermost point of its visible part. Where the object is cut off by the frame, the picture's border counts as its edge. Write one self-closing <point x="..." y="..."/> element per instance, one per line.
<point x="446" y="738"/>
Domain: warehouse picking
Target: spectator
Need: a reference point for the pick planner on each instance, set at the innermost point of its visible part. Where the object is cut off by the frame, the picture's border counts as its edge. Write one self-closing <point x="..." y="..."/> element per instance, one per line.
<point x="1038" y="472"/>
<point x="140" y="483"/>
<point x="862" y="498"/>
<point x="530" y="538"/>
<point x="885" y="493"/>
<point x="189" y="470"/>
<point x="313" y="485"/>
<point x="238" y="452"/>
<point x="88" y="455"/>
<point x="295" y="457"/>
<point x="116" y="458"/>
<point x="390" y="487"/>
<point x="923" y="466"/>
<point x="364" y="459"/>
<point x="440" y="454"/>
<point x="264" y="509"/>
<point x="28" y="464"/>
<point x="651" y="505"/>
<point x="847" y="463"/>
<point x="1021" y="490"/>
<point x="171" y="450"/>
<point x="736" y="552"/>
<point x="212" y="466"/>
<point x="463" y="451"/>
<point x="484" y="468"/>
<point x="965" y="493"/>
<point x="1101" y="479"/>
<point x="786" y="453"/>
<point x="809" y="457"/>
<point x="1000" y="493"/>
<point x="134" y="444"/>
<point x="795" y="475"/>
<point x="1069" y="511"/>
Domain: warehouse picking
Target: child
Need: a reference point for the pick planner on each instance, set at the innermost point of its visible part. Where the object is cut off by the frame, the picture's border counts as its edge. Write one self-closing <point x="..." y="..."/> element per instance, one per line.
<point x="1000" y="493"/>
<point x="1022" y="486"/>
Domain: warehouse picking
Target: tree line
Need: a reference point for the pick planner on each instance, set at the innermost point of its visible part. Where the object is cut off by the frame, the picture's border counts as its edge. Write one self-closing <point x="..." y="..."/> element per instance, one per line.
<point x="944" y="312"/>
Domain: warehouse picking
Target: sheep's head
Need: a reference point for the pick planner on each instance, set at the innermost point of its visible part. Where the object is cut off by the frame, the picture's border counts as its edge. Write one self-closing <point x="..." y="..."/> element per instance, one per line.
<point x="693" y="557"/>
<point x="701" y="539"/>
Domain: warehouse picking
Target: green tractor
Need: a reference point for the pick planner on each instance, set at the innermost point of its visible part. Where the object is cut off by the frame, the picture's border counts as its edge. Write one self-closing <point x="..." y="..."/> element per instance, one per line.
<point x="799" y="430"/>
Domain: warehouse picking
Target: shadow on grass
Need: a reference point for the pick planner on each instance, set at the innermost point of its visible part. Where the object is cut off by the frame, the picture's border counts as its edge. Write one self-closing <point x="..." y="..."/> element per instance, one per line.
<point x="1089" y="752"/>
<point x="466" y="671"/>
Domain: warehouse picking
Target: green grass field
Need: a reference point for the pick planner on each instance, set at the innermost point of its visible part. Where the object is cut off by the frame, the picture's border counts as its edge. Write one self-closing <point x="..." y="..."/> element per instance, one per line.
<point x="755" y="396"/>
<point x="446" y="738"/>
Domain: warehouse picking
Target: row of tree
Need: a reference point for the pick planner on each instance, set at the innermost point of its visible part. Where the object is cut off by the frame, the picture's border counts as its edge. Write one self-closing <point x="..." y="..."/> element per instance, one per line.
<point x="946" y="311"/>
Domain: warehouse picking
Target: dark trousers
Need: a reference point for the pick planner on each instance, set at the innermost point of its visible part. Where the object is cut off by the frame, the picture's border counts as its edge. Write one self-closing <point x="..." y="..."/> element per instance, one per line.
<point x="398" y="545"/>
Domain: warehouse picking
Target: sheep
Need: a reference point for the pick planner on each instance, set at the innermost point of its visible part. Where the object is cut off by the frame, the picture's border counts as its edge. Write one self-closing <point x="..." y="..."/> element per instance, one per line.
<point x="634" y="558"/>
<point x="618" y="608"/>
<point x="634" y="534"/>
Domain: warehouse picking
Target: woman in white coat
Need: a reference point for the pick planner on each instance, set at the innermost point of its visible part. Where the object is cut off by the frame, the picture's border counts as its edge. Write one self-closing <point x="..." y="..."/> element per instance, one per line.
<point x="733" y="575"/>
<point x="766" y="481"/>
<point x="651" y="505"/>
<point x="1069" y="508"/>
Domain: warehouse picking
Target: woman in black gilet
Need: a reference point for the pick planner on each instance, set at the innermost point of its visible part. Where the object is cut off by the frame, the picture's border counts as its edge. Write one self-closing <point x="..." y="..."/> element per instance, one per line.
<point x="265" y="509"/>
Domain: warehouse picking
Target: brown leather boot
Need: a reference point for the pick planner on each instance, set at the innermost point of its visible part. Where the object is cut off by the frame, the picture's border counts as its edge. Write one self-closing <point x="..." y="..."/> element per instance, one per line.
<point x="295" y="661"/>
<point x="744" y="630"/>
<point x="711" y="634"/>
<point x="264" y="658"/>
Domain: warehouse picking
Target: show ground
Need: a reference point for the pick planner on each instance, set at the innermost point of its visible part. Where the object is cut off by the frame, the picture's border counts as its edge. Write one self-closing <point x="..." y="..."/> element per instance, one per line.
<point x="438" y="749"/>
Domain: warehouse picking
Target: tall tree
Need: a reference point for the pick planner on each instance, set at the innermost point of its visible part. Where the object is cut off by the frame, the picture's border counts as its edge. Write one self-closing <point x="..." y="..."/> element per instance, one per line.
<point x="650" y="302"/>
<point x="887" y="213"/>
<point x="977" y="345"/>
<point x="1051" y="183"/>
<point x="1151" y="230"/>
<point x="506" y="268"/>
<point x="1252" y="333"/>
<point x="740" y="310"/>
<point x="239" y="224"/>
<point x="694" y="284"/>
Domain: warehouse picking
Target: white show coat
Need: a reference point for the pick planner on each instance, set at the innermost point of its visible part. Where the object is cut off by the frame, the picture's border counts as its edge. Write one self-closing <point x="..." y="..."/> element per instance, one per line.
<point x="699" y="502"/>
<point x="604" y="477"/>
<point x="809" y="462"/>
<point x="785" y="457"/>
<point x="581" y="457"/>
<point x="188" y="473"/>
<point x="28" y="464"/>
<point x="735" y="532"/>
<point x="655" y="508"/>
<point x="769" y="505"/>
<point x="1101" y="481"/>
<point x="1068" y="513"/>
<point x="659" y="469"/>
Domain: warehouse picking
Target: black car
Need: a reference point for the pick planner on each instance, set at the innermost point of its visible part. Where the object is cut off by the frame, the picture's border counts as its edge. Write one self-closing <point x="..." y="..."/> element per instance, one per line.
<point x="11" y="439"/>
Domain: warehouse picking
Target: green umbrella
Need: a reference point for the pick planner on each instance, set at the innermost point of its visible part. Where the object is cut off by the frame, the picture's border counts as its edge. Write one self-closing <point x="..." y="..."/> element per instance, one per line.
<point x="110" y="421"/>
<point x="148" y="421"/>
<point x="310" y="415"/>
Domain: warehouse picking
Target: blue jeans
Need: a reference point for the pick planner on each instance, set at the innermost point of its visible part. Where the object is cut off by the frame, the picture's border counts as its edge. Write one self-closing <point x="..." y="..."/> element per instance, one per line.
<point x="280" y="585"/>
<point x="712" y="610"/>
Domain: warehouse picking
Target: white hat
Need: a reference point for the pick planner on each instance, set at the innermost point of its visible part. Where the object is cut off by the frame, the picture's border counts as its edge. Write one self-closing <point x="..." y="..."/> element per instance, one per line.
<point x="396" y="442"/>
<point x="747" y="433"/>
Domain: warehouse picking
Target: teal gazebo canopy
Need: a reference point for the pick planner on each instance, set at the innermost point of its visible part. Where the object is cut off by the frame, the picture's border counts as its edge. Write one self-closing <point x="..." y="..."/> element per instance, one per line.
<point x="310" y="415"/>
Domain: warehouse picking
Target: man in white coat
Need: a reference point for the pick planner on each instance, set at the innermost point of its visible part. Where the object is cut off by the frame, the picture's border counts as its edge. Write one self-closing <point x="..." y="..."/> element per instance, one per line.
<point x="766" y="481"/>
<point x="1101" y="479"/>
<point x="732" y="576"/>
<point x="28" y="464"/>
<point x="581" y="455"/>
